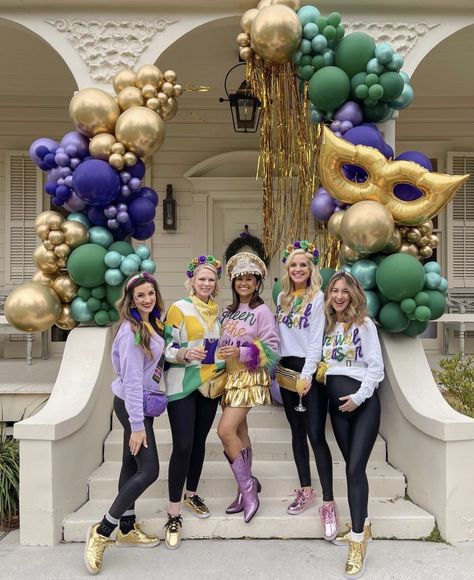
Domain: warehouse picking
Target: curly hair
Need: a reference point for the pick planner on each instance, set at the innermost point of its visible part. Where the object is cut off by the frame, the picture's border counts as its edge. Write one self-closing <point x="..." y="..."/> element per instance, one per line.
<point x="288" y="286"/>
<point x="355" y="312"/>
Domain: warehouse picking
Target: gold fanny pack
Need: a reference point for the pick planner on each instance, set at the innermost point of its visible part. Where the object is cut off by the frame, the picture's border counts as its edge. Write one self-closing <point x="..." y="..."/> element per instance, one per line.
<point x="286" y="378"/>
<point x="215" y="387"/>
<point x="321" y="372"/>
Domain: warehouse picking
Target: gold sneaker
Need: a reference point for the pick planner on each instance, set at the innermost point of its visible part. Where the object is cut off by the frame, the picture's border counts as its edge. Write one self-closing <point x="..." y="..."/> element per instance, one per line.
<point x="344" y="538"/>
<point x="94" y="550"/>
<point x="355" y="564"/>
<point x="136" y="538"/>
<point x="196" y="506"/>
<point x="172" y="532"/>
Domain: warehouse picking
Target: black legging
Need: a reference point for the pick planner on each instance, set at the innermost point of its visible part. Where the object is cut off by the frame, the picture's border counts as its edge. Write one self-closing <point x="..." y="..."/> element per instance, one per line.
<point x="138" y="471"/>
<point x="191" y="419"/>
<point x="355" y="433"/>
<point x="312" y="425"/>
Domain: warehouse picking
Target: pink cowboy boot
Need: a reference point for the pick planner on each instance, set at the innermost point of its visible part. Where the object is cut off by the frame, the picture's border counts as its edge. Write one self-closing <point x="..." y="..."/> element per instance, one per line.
<point x="238" y="505"/>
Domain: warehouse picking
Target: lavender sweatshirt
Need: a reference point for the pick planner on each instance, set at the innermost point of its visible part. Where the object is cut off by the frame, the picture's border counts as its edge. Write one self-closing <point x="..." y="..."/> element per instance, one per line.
<point x="134" y="372"/>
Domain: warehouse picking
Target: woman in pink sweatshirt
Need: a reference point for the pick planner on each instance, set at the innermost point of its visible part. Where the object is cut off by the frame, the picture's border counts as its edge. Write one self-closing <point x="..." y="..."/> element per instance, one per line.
<point x="248" y="344"/>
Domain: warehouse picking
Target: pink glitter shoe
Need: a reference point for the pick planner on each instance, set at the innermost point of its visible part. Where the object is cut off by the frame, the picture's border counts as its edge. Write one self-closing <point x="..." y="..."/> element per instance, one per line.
<point x="329" y="518"/>
<point x="305" y="498"/>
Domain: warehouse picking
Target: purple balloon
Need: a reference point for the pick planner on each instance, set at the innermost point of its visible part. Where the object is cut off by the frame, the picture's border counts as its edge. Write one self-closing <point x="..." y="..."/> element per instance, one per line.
<point x="110" y="211"/>
<point x="335" y="125"/>
<point x="145" y="231"/>
<point x="350" y="111"/>
<point x="148" y="193"/>
<point x="134" y="184"/>
<point x="388" y="151"/>
<point x="75" y="162"/>
<point x="113" y="224"/>
<point x="365" y="135"/>
<point x="96" y="216"/>
<point x="65" y="171"/>
<point x="122" y="217"/>
<point x="137" y="170"/>
<point x="346" y="126"/>
<point x="62" y="159"/>
<point x="60" y="181"/>
<point x="141" y="211"/>
<point x="54" y="175"/>
<point x="96" y="182"/>
<point x="125" y="177"/>
<point x="416" y="157"/>
<point x="338" y="133"/>
<point x="56" y="201"/>
<point x="75" y="144"/>
<point x="40" y="147"/>
<point x="354" y="173"/>
<point x="63" y="193"/>
<point x="49" y="160"/>
<point x="50" y="188"/>
<point x="75" y="203"/>
<point x="125" y="191"/>
<point x="407" y="192"/>
<point x="122" y="207"/>
<point x="68" y="181"/>
<point x="322" y="205"/>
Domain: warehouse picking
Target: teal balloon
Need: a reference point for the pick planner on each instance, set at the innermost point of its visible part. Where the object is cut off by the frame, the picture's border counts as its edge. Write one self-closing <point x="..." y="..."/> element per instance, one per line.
<point x="129" y="267"/>
<point x="275" y="291"/>
<point x="437" y="303"/>
<point x="101" y="236"/>
<point x="432" y="267"/>
<point x="113" y="259"/>
<point x="93" y="304"/>
<point x="114" y="277"/>
<point x="79" y="217"/>
<point x="305" y="72"/>
<point x="305" y="46"/>
<point x="400" y="276"/>
<point x="326" y="275"/>
<point x="137" y="259"/>
<point x="101" y="318"/>
<point x="408" y="305"/>
<point x="405" y="99"/>
<point x="86" y="265"/>
<point x="373" y="303"/>
<point x="79" y="310"/>
<point x="374" y="66"/>
<point x="405" y="77"/>
<point x="392" y="318"/>
<point x="384" y="53"/>
<point x="396" y="62"/>
<point x="142" y="251"/>
<point x="123" y="248"/>
<point x="113" y="294"/>
<point x="98" y="292"/>
<point x="346" y="268"/>
<point x="329" y="88"/>
<point x="148" y="266"/>
<point x="328" y="56"/>
<point x="306" y="59"/>
<point x="432" y="281"/>
<point x="422" y="299"/>
<point x="422" y="313"/>
<point x="364" y="271"/>
<point x="443" y="287"/>
<point x="319" y="43"/>
<point x="84" y="293"/>
<point x="415" y="328"/>
<point x="310" y="30"/>
<point x="353" y="52"/>
<point x="296" y="58"/>
<point x="308" y="14"/>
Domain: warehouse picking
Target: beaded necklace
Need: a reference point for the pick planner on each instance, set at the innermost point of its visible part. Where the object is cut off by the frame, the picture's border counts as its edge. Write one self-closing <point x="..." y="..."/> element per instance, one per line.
<point x="207" y="311"/>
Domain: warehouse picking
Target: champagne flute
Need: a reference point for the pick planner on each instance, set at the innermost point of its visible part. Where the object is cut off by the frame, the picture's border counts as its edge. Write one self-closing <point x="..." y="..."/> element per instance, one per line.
<point x="300" y="387"/>
<point x="200" y="336"/>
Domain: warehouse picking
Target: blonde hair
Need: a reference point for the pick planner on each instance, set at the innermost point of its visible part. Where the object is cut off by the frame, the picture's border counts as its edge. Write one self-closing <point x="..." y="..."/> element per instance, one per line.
<point x="355" y="312"/>
<point x="288" y="286"/>
<point x="125" y="303"/>
<point x="188" y="284"/>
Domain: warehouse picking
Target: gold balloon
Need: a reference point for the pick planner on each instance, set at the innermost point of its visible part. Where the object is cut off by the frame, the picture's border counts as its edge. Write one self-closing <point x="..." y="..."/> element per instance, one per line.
<point x="413" y="235"/>
<point x="247" y="19"/>
<point x="348" y="255"/>
<point x="42" y="278"/>
<point x="167" y="88"/>
<point x="117" y="161"/>
<point x="409" y="249"/>
<point x="162" y="98"/>
<point x="50" y="218"/>
<point x="294" y="4"/>
<point x="153" y="104"/>
<point x="42" y="231"/>
<point x="243" y="39"/>
<point x="334" y="224"/>
<point x="177" y="90"/>
<point x="426" y="229"/>
<point x="45" y="260"/>
<point x="367" y="227"/>
<point x="61" y="263"/>
<point x="148" y="91"/>
<point x="263" y="4"/>
<point x="75" y="234"/>
<point x="130" y="159"/>
<point x="93" y="111"/>
<point x="149" y="74"/>
<point x="100" y="146"/>
<point x="170" y="76"/>
<point x="65" y="287"/>
<point x="426" y="252"/>
<point x="438" y="188"/>
<point x="48" y="245"/>
<point x="245" y="53"/>
<point x="141" y="130"/>
<point x="169" y="110"/>
<point x="65" y="319"/>
<point x="130" y="97"/>
<point x="423" y="241"/>
<point x="62" y="250"/>
<point x="56" y="237"/>
<point x="394" y="244"/>
<point x="433" y="241"/>
<point x="32" y="307"/>
<point x="124" y="78"/>
<point x="118" y="148"/>
<point x="276" y="33"/>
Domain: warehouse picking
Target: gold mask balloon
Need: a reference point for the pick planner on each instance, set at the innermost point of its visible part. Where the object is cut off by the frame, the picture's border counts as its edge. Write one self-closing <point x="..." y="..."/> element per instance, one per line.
<point x="65" y="287"/>
<point x="276" y="33"/>
<point x="437" y="188"/>
<point x="94" y="111"/>
<point x="32" y="307"/>
<point x="75" y="234"/>
<point x="141" y="130"/>
<point x="367" y="227"/>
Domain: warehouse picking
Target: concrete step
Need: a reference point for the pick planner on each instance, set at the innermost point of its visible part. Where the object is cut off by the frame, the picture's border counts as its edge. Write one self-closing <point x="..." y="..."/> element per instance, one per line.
<point x="276" y="477"/>
<point x="391" y="518"/>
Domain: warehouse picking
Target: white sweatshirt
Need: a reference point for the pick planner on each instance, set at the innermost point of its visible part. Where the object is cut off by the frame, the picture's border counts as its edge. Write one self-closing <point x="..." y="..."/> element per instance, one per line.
<point x="301" y="333"/>
<point x="355" y="353"/>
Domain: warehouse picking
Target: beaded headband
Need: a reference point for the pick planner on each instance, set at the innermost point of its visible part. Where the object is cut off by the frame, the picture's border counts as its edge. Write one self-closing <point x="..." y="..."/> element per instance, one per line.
<point x="141" y="275"/>
<point x="208" y="261"/>
<point x="301" y="245"/>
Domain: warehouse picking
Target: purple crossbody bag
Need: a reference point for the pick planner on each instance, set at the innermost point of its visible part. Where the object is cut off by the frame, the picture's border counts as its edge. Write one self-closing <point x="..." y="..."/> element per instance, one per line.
<point x="155" y="402"/>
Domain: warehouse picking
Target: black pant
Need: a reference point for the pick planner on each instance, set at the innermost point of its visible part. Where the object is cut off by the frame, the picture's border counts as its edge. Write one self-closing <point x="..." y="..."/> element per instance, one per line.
<point x="138" y="471"/>
<point x="309" y="425"/>
<point x="191" y="419"/>
<point x="355" y="432"/>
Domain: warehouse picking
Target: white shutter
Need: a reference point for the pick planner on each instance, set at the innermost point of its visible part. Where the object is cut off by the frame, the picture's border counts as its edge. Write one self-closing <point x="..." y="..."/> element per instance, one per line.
<point x="23" y="190"/>
<point x="460" y="223"/>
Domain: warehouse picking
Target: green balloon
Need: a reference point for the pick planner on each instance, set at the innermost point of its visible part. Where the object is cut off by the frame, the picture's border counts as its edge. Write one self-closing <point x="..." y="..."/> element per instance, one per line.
<point x="357" y="80"/>
<point x="383" y="298"/>
<point x="84" y="293"/>
<point x="79" y="310"/>
<point x="101" y="318"/>
<point x="329" y="32"/>
<point x="415" y="328"/>
<point x="93" y="304"/>
<point x="321" y="22"/>
<point x="437" y="303"/>
<point x="400" y="276"/>
<point x="364" y="271"/>
<point x="354" y="52"/>
<point x="375" y="92"/>
<point x="86" y="265"/>
<point x="377" y="258"/>
<point x="329" y="88"/>
<point x="376" y="113"/>
<point x="334" y="19"/>
<point x="79" y="217"/>
<point x="392" y="84"/>
<point x="113" y="315"/>
<point x="422" y="299"/>
<point x="318" y="62"/>
<point x="326" y="275"/>
<point x="371" y="79"/>
<point x="123" y="248"/>
<point x="408" y="305"/>
<point x="113" y="294"/>
<point x="275" y="291"/>
<point x="373" y="303"/>
<point x="340" y="31"/>
<point x="99" y="292"/>
<point x="422" y="313"/>
<point x="101" y="236"/>
<point x="392" y="318"/>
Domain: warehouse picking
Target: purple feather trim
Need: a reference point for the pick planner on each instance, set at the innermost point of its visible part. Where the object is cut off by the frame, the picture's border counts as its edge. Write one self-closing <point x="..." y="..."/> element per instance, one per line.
<point x="254" y="361"/>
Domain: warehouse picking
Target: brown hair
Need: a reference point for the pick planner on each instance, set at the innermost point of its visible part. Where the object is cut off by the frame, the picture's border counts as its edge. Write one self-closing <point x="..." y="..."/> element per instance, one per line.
<point x="355" y="312"/>
<point x="255" y="300"/>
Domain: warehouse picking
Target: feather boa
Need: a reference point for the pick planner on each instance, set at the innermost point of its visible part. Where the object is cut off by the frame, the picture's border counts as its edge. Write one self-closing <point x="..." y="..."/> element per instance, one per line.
<point x="261" y="355"/>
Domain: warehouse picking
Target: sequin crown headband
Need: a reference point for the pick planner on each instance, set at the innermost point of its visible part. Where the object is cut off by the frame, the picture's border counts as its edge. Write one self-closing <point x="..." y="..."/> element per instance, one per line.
<point x="301" y="245"/>
<point x="208" y="261"/>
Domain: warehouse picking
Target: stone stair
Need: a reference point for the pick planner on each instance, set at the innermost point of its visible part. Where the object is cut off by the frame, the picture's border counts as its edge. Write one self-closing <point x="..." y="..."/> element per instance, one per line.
<point x="391" y="514"/>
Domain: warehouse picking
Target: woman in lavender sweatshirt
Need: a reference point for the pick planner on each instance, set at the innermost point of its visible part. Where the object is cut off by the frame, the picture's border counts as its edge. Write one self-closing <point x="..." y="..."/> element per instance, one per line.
<point x="248" y="344"/>
<point x="137" y="352"/>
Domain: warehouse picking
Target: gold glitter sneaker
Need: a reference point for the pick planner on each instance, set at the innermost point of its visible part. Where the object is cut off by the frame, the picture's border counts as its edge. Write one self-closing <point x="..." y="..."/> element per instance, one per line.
<point x="355" y="564"/>
<point x="94" y="550"/>
<point x="196" y="506"/>
<point x="136" y="538"/>
<point x="344" y="538"/>
<point x="172" y="532"/>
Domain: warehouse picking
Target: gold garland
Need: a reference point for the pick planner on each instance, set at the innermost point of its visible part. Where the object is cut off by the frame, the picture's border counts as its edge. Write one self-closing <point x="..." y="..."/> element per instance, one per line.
<point x="207" y="311"/>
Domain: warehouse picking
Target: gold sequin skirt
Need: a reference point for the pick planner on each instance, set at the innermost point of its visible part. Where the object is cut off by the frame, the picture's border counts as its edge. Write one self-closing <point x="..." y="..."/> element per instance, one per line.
<point x="246" y="389"/>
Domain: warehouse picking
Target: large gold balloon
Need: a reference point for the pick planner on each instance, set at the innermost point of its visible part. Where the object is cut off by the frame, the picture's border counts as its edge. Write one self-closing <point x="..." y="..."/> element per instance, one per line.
<point x="50" y="218"/>
<point x="334" y="224"/>
<point x="294" y="4"/>
<point x="32" y="307"/>
<point x="65" y="319"/>
<point x="437" y="188"/>
<point x="65" y="287"/>
<point x="367" y="227"/>
<point x="149" y="74"/>
<point x="141" y="130"/>
<point x="94" y="111"/>
<point x="100" y="146"/>
<point x="349" y="256"/>
<point x="45" y="260"/>
<point x="247" y="19"/>
<point x="42" y="231"/>
<point x="75" y="234"/>
<point x="276" y="33"/>
<point x="124" y="78"/>
<point x="130" y="97"/>
<point x="42" y="278"/>
<point x="168" y="111"/>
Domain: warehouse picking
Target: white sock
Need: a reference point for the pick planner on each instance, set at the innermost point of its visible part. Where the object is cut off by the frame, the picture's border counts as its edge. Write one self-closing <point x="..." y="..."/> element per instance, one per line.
<point x="367" y="522"/>
<point x="357" y="537"/>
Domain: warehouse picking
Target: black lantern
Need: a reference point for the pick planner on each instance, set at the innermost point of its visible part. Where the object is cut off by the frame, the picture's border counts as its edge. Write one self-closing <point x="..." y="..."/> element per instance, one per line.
<point x="245" y="108"/>
<point x="169" y="210"/>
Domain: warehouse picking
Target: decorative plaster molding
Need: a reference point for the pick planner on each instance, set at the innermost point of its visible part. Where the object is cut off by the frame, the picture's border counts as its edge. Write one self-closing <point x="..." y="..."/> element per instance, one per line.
<point x="106" y="46"/>
<point x="401" y="35"/>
